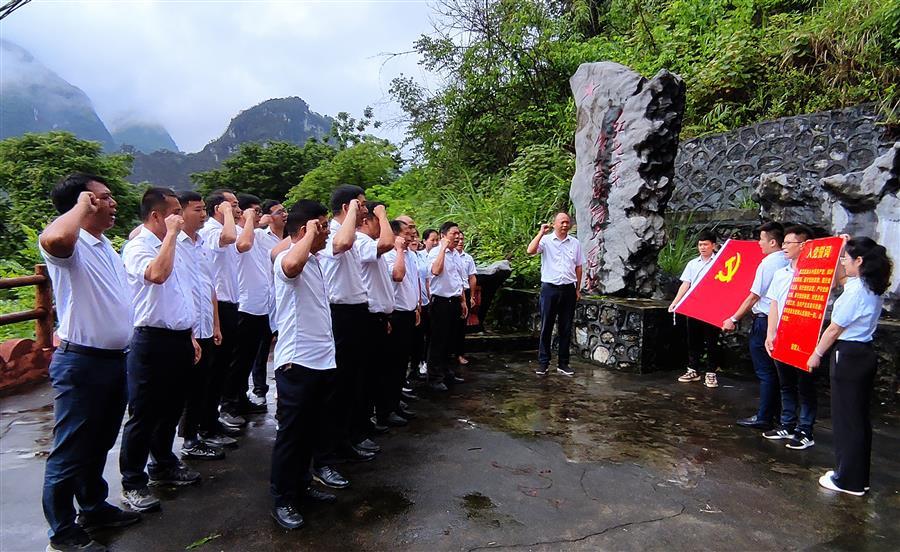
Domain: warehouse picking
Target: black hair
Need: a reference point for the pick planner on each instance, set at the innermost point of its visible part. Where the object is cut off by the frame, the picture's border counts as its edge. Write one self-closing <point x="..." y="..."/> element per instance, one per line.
<point x="428" y="233"/>
<point x="370" y="207"/>
<point x="447" y="226"/>
<point x="799" y="230"/>
<point x="65" y="193"/>
<point x="213" y="199"/>
<point x="302" y="212"/>
<point x="246" y="200"/>
<point x="153" y="199"/>
<point x="267" y="206"/>
<point x="774" y="230"/>
<point x="876" y="266"/>
<point x="397" y="226"/>
<point x="188" y="196"/>
<point x="706" y="235"/>
<point x="344" y="194"/>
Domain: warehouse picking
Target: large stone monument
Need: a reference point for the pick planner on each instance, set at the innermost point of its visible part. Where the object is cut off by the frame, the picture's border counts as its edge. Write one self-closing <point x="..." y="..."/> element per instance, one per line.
<point x="626" y="141"/>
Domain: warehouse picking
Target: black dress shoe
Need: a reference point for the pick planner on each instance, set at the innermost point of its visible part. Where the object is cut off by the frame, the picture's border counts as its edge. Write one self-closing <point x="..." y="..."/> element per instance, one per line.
<point x="455" y="379"/>
<point x="394" y="420"/>
<point x="316" y="495"/>
<point x="287" y="517"/>
<point x="353" y="454"/>
<point x="368" y="445"/>
<point x="753" y="422"/>
<point x="409" y="396"/>
<point x="406" y="414"/>
<point x="437" y="386"/>
<point x="328" y="476"/>
<point x="380" y="428"/>
<point x="107" y="517"/>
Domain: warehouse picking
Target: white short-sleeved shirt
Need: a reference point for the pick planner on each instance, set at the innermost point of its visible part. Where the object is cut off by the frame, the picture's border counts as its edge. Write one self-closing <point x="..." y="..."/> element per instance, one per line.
<point x="424" y="270"/>
<point x="169" y="305"/>
<point x="255" y="276"/>
<point x="303" y="317"/>
<point x="779" y="288"/>
<point x="763" y="279"/>
<point x="696" y="268"/>
<point x="225" y="261"/>
<point x="406" y="293"/>
<point x="343" y="272"/>
<point x="375" y="274"/>
<point x="449" y="282"/>
<point x="91" y="292"/>
<point x="202" y="281"/>
<point x="857" y="311"/>
<point x="467" y="268"/>
<point x="559" y="258"/>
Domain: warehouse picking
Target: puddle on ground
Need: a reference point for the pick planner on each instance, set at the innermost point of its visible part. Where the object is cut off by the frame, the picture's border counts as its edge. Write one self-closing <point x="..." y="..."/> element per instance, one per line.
<point x="378" y="504"/>
<point x="477" y="505"/>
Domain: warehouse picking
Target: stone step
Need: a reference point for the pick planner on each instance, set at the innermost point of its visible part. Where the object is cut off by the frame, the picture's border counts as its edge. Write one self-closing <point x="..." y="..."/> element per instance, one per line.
<point x="484" y="342"/>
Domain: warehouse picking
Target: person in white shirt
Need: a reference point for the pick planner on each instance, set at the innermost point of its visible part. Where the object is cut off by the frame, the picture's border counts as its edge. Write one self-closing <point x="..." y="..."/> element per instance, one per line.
<point x="269" y="235"/>
<point x="448" y="306"/>
<point x="305" y="364"/>
<point x="854" y="319"/>
<point x="206" y="332"/>
<point x="703" y="338"/>
<point x="797" y="386"/>
<point x="424" y="330"/>
<point x="417" y="368"/>
<point x="470" y="286"/>
<point x="771" y="235"/>
<point x="163" y="350"/>
<point x="87" y="370"/>
<point x="430" y="239"/>
<point x="561" y="269"/>
<point x="373" y="240"/>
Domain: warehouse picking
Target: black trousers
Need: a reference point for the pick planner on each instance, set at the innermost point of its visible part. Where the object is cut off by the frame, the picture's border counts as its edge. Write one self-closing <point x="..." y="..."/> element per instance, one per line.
<point x="302" y="415"/>
<point x="155" y="368"/>
<point x="853" y="366"/>
<point x="260" y="373"/>
<point x="348" y="324"/>
<point x="421" y="337"/>
<point x="445" y="313"/>
<point x="703" y="339"/>
<point x="460" y="337"/>
<point x="556" y="302"/>
<point x="375" y="372"/>
<point x="221" y="366"/>
<point x="251" y="330"/>
<point x="196" y="392"/>
<point x="401" y="343"/>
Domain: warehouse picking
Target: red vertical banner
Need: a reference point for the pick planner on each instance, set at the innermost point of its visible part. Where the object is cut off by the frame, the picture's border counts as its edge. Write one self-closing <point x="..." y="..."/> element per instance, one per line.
<point x="725" y="284"/>
<point x="804" y="309"/>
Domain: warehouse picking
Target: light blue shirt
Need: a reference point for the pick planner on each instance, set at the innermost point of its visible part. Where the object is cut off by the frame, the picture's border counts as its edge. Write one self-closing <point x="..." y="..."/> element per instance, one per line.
<point x="763" y="279"/>
<point x="857" y="310"/>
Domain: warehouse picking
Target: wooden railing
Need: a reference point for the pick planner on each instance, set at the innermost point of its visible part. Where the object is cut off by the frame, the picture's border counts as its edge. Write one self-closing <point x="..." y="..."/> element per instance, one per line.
<point x="42" y="313"/>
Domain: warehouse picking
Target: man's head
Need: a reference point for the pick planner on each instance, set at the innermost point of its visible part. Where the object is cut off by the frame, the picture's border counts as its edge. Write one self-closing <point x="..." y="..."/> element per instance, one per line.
<point x="450" y="230"/>
<point x="561" y="224"/>
<point x="156" y="205"/>
<point x="401" y="230"/>
<point x="341" y="198"/>
<point x="407" y="220"/>
<point x="771" y="236"/>
<point x="65" y="195"/>
<point x="706" y="243"/>
<point x="794" y="238"/>
<point x="461" y="242"/>
<point x="300" y="214"/>
<point x="215" y="198"/>
<point x="430" y="238"/>
<point x="277" y="214"/>
<point x="193" y="211"/>
<point x="250" y="201"/>
<point x="414" y="243"/>
<point x="370" y="225"/>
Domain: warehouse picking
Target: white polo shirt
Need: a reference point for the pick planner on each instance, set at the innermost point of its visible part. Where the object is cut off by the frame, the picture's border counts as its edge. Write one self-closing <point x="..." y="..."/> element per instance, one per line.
<point x="343" y="272"/>
<point x="406" y="293"/>
<point x="225" y="261"/>
<point x="467" y="268"/>
<point x="375" y="274"/>
<point x="255" y="276"/>
<point x="424" y="270"/>
<point x="303" y="317"/>
<point x="763" y="279"/>
<point x="559" y="257"/>
<point x="169" y="305"/>
<point x="91" y="292"/>
<point x="202" y="281"/>
<point x="779" y="288"/>
<point x="857" y="311"/>
<point x="449" y="282"/>
<point x="696" y="268"/>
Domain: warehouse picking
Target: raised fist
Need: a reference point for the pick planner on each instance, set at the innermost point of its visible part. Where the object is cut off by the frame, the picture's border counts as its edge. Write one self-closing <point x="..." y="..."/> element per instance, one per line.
<point x="445" y="242"/>
<point x="174" y="224"/>
<point x="249" y="217"/>
<point x="265" y="220"/>
<point x="89" y="200"/>
<point x="545" y="228"/>
<point x="224" y="207"/>
<point x="353" y="206"/>
<point x="312" y="227"/>
<point x="379" y="211"/>
<point x="399" y="243"/>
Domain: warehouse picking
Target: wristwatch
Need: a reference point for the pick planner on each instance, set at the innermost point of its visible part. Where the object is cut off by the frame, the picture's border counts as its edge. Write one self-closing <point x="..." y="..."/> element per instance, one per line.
<point x="734" y="320"/>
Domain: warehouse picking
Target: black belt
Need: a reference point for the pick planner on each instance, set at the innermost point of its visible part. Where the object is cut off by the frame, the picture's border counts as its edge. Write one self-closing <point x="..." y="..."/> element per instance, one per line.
<point x="760" y="315"/>
<point x="436" y="298"/>
<point x="67" y="346"/>
<point x="558" y="285"/>
<point x="162" y="332"/>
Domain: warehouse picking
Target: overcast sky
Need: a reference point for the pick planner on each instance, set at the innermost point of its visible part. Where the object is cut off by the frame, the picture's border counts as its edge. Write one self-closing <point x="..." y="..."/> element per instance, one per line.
<point x="192" y="65"/>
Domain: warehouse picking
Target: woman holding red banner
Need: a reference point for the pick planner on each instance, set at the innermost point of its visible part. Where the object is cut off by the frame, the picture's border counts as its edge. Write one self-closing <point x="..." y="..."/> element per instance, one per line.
<point x="853" y="362"/>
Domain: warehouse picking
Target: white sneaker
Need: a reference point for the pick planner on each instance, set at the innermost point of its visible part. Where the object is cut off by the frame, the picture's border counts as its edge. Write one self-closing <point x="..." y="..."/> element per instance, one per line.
<point x="140" y="500"/>
<point x="423" y="368"/>
<point x="711" y="380"/>
<point x="689" y="376"/>
<point x="827" y="482"/>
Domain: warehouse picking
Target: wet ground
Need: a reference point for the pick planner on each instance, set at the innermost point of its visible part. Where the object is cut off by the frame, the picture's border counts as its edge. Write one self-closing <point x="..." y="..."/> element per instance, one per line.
<point x="509" y="461"/>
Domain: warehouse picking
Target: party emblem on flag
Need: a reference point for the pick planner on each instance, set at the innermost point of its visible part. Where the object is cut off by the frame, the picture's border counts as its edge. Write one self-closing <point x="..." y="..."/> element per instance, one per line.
<point x="731" y="267"/>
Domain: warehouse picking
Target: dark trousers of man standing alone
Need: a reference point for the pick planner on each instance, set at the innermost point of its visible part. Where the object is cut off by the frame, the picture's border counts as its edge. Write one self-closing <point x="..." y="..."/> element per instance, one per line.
<point x="557" y="302"/>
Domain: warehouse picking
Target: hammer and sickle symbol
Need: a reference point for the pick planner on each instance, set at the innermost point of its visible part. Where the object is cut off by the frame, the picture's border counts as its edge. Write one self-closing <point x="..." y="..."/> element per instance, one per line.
<point x="731" y="268"/>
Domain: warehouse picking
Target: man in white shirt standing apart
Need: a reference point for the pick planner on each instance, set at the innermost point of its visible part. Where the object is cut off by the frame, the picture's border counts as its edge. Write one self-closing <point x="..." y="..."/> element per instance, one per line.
<point x="448" y="305"/>
<point x="561" y="269"/>
<point x="87" y="372"/>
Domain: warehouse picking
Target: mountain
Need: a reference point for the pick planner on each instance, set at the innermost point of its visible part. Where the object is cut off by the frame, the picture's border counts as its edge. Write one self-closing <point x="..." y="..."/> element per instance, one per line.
<point x="35" y="99"/>
<point x="144" y="137"/>
<point x="280" y="119"/>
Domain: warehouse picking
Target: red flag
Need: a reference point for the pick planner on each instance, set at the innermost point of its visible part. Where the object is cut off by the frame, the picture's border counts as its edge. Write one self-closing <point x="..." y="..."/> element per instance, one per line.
<point x="725" y="285"/>
<point x="804" y="309"/>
